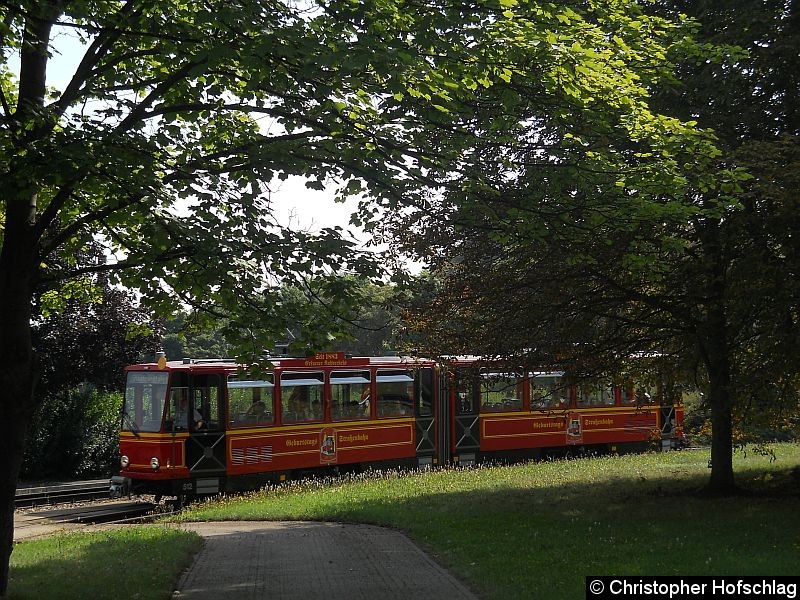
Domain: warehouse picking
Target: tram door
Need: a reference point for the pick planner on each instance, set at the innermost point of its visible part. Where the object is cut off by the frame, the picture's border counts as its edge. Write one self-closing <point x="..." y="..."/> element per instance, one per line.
<point x="205" y="447"/>
<point x="466" y="422"/>
<point x="667" y="423"/>
<point x="425" y="417"/>
<point x="444" y="414"/>
<point x="667" y="417"/>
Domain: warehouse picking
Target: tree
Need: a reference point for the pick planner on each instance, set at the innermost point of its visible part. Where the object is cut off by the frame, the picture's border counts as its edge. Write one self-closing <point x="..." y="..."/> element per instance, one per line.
<point x="190" y="335"/>
<point x="87" y="333"/>
<point x="179" y="115"/>
<point x="752" y="106"/>
<point x="83" y="344"/>
<point x="368" y="331"/>
<point x="162" y="147"/>
<point x="589" y="254"/>
<point x="373" y="331"/>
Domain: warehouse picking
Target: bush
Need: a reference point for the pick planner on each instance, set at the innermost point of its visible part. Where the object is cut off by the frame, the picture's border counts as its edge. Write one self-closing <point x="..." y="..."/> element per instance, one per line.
<point x="750" y="428"/>
<point x="74" y="435"/>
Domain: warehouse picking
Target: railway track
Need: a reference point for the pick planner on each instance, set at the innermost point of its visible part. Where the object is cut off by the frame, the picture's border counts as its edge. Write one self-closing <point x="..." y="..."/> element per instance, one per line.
<point x="42" y="510"/>
<point x="58" y="493"/>
<point x="38" y="522"/>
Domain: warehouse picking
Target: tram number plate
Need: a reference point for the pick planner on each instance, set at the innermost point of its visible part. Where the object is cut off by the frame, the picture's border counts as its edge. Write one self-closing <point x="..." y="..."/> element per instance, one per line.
<point x="187" y="487"/>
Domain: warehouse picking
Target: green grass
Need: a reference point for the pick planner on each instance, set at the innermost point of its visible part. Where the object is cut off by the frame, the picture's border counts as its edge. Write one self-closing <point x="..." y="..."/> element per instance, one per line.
<point x="134" y="562"/>
<point x="536" y="530"/>
<point x="525" y="531"/>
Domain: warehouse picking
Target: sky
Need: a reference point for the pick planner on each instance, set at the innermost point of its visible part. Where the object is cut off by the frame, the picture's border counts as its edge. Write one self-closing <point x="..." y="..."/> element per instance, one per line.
<point x="305" y="209"/>
<point x="293" y="204"/>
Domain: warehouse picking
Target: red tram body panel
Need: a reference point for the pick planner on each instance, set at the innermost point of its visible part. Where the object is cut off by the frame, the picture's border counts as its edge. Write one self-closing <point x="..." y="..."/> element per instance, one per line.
<point x="196" y="427"/>
<point x="141" y="450"/>
<point x="288" y="449"/>
<point x="512" y="431"/>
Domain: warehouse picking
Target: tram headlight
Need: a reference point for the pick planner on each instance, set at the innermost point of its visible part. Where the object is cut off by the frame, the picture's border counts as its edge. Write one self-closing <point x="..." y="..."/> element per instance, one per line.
<point x="124" y="461"/>
<point x="154" y="463"/>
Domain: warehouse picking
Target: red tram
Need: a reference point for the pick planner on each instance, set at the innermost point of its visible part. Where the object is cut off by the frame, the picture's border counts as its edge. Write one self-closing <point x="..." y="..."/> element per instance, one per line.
<point x="199" y="427"/>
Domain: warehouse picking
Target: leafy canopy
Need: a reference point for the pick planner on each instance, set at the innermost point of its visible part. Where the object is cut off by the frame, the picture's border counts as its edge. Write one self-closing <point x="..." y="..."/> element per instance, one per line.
<point x="182" y="117"/>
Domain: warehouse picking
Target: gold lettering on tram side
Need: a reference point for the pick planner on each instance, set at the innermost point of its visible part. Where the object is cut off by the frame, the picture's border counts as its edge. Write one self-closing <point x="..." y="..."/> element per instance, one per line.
<point x="358" y="437"/>
<point x="295" y="443"/>
<point x="607" y="421"/>
<point x="547" y="424"/>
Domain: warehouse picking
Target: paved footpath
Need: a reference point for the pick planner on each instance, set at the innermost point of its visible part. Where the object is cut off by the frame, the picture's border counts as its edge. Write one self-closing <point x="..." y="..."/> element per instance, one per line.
<point x="306" y="561"/>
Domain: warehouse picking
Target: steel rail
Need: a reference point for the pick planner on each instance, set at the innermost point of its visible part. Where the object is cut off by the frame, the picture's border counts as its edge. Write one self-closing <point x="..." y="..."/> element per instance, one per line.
<point x="74" y="491"/>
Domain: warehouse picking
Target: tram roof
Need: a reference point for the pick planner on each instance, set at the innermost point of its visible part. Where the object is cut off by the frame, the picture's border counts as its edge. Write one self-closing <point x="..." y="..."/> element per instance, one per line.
<point x="330" y="360"/>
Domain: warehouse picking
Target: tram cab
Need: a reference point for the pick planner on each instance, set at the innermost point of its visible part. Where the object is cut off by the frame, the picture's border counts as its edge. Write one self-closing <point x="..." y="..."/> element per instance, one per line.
<point x="172" y="438"/>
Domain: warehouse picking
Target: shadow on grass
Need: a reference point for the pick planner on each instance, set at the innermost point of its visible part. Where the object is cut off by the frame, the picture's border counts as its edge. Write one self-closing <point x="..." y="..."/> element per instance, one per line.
<point x="131" y="562"/>
<point x="512" y="543"/>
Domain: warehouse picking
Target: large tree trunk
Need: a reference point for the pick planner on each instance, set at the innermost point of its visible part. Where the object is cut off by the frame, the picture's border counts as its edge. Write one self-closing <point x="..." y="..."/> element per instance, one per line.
<point x="15" y="416"/>
<point x="716" y="350"/>
<point x="18" y="267"/>
<point x="721" y="402"/>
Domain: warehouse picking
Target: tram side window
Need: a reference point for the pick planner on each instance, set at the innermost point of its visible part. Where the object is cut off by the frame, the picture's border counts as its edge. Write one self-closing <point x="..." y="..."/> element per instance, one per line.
<point x="350" y="395"/>
<point x="548" y="391"/>
<point x="425" y="380"/>
<point x="395" y="391"/>
<point x="301" y="396"/>
<point x="466" y="391"/>
<point x="596" y="395"/>
<point x="646" y="395"/>
<point x="251" y="402"/>
<point x="206" y="399"/>
<point x="500" y="392"/>
<point x="145" y="393"/>
<point x="627" y="394"/>
<point x="178" y="409"/>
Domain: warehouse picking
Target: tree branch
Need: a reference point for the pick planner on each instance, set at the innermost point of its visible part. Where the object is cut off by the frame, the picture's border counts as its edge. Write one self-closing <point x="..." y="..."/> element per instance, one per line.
<point x="75" y="226"/>
<point x="198" y="164"/>
<point x="99" y="47"/>
<point x="136" y="115"/>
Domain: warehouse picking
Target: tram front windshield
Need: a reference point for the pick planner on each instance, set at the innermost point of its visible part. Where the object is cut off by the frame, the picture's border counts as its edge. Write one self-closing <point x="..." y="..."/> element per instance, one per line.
<point x="144" y="401"/>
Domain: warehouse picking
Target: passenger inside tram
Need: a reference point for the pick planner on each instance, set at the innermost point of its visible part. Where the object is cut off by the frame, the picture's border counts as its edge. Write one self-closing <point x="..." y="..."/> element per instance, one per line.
<point x="180" y="400"/>
<point x="257" y="410"/>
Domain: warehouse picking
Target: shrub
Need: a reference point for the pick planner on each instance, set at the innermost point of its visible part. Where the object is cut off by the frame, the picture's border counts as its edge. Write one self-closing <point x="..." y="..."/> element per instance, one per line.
<point x="74" y="435"/>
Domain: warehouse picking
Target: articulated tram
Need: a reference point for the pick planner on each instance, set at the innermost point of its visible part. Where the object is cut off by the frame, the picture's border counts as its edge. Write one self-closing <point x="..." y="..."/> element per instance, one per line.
<point x="200" y="427"/>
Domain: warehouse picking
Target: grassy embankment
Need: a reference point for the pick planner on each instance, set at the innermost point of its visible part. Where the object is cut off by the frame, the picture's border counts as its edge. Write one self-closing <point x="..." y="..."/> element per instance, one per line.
<point x="535" y="530"/>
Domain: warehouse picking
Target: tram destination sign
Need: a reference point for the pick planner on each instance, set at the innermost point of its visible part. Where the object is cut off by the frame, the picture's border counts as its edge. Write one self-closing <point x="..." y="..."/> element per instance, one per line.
<point x="325" y="359"/>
